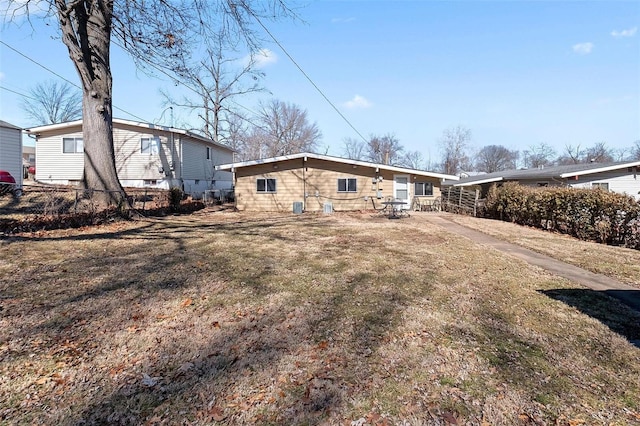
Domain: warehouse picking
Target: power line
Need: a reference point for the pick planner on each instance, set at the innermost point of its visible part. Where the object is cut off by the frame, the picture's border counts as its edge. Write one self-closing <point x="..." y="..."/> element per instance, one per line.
<point x="63" y="78"/>
<point x="307" y="77"/>
<point x="18" y="93"/>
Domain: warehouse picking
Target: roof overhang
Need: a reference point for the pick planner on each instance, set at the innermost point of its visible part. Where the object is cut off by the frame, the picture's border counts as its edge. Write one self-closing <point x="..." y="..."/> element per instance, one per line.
<point x="70" y="124"/>
<point x="601" y="169"/>
<point x="480" y="181"/>
<point x="306" y="155"/>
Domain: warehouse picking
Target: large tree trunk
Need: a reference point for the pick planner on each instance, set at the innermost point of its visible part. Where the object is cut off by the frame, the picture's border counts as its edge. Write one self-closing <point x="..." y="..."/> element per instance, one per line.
<point x="86" y="31"/>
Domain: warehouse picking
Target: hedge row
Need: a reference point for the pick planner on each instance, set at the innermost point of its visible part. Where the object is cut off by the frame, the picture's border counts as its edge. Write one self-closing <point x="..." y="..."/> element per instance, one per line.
<point x="588" y="214"/>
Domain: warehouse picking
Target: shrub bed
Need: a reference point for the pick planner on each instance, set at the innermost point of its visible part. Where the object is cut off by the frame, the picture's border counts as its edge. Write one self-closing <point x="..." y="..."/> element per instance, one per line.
<point x="588" y="214"/>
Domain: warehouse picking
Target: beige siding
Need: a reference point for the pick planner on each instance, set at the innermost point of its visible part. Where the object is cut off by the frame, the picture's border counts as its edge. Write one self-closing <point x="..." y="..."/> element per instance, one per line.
<point x="53" y="165"/>
<point x="319" y="181"/>
<point x="196" y="164"/>
<point x="11" y="152"/>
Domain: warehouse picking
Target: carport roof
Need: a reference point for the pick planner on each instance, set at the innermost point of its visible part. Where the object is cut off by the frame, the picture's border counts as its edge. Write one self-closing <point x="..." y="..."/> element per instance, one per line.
<point x="557" y="172"/>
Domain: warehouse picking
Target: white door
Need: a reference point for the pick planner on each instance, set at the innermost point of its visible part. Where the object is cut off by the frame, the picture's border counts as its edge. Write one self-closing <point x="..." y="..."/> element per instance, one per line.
<point x="401" y="190"/>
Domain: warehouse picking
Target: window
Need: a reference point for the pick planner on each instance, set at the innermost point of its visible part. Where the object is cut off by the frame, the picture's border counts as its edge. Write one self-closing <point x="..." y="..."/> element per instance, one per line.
<point x="149" y="145"/>
<point x="423" y="188"/>
<point x="347" y="185"/>
<point x="266" y="185"/>
<point x="72" y="145"/>
<point x="208" y="153"/>
<point x="600" y="185"/>
<point x="147" y="182"/>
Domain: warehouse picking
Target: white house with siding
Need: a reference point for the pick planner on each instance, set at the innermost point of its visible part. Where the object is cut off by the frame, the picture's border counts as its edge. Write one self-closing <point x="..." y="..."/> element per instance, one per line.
<point x="147" y="155"/>
<point x="620" y="177"/>
<point x="11" y="150"/>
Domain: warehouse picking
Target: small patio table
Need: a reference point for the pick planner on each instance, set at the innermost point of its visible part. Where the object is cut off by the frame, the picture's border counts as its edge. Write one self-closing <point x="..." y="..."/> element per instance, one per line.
<point x="395" y="209"/>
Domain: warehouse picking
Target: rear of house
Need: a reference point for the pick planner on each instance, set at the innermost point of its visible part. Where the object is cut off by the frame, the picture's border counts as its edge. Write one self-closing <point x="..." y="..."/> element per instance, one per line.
<point x="11" y="150"/>
<point x="147" y="155"/>
<point x="320" y="183"/>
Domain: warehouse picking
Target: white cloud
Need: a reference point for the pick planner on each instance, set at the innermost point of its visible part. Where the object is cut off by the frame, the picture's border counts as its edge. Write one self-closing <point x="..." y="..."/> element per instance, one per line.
<point x="625" y="33"/>
<point x="262" y="58"/>
<point x="583" y="48"/>
<point x="1" y="76"/>
<point x="358" y="102"/>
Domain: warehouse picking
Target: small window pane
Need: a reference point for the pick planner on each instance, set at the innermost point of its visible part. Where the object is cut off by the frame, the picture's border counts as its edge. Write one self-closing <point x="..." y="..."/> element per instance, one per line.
<point x="402" y="194"/>
<point x="69" y="145"/>
<point x="262" y="185"/>
<point x="271" y="185"/>
<point x="342" y="185"/>
<point x="79" y="145"/>
<point x="352" y="185"/>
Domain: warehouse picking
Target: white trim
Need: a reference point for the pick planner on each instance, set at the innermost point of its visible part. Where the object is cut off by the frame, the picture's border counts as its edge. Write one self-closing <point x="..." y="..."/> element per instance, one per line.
<point x="601" y="169"/>
<point x="480" y="181"/>
<point x="306" y="155"/>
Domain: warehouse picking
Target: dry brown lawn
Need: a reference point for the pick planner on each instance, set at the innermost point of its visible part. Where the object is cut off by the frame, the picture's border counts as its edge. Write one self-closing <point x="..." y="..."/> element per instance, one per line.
<point x="616" y="262"/>
<point x="345" y="319"/>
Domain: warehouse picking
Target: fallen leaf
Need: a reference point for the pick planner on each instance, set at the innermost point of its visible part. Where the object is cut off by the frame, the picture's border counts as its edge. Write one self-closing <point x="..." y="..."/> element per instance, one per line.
<point x="449" y="418"/>
<point x="323" y="345"/>
<point x="186" y="302"/>
<point x="42" y="380"/>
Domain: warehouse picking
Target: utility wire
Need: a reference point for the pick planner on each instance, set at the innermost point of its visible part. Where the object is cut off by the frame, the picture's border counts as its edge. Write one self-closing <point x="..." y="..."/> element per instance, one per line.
<point x="307" y="76"/>
<point x="18" y="93"/>
<point x="63" y="78"/>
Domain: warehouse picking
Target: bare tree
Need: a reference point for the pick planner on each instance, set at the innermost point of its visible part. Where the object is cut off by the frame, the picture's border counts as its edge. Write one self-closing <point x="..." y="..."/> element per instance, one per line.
<point x="635" y="151"/>
<point x="454" y="144"/>
<point x="598" y="153"/>
<point x="283" y="129"/>
<point x="156" y="33"/>
<point x="539" y="155"/>
<point x="413" y="160"/>
<point x="354" y="149"/>
<point x="53" y="102"/>
<point x="571" y="155"/>
<point x="384" y="149"/>
<point x="217" y="79"/>
<point x="495" y="158"/>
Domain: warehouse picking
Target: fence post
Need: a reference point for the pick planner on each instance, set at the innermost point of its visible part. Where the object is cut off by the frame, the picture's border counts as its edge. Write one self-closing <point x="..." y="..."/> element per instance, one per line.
<point x="475" y="204"/>
<point x="75" y="202"/>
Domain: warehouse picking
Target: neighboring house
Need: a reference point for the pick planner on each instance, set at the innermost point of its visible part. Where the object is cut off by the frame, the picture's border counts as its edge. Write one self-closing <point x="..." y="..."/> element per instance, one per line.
<point x="622" y="177"/>
<point x="11" y="150"/>
<point x="147" y="155"/>
<point x="320" y="182"/>
<point x="28" y="158"/>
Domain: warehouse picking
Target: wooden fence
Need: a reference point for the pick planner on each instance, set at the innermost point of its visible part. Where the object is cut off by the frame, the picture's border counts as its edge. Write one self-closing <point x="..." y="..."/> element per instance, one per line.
<point x="460" y="200"/>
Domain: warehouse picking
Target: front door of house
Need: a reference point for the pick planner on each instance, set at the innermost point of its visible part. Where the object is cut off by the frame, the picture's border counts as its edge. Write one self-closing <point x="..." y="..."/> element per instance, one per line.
<point x="401" y="190"/>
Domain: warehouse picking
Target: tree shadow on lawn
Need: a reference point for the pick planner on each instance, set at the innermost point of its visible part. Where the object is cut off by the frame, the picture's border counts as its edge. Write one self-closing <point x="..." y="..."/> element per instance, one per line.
<point x="609" y="307"/>
<point x="286" y="350"/>
<point x="319" y="377"/>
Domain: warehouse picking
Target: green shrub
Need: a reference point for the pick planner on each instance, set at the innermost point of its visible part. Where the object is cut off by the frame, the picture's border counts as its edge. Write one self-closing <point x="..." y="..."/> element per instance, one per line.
<point x="587" y="214"/>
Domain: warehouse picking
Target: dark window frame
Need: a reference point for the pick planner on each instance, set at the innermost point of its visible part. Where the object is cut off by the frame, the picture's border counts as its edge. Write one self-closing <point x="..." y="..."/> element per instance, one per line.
<point x="347" y="185"/>
<point x="424" y="192"/>
<point x="266" y="185"/>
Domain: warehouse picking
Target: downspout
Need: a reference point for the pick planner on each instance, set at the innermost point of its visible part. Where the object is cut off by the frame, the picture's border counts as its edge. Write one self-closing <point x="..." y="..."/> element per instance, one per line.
<point x="304" y="184"/>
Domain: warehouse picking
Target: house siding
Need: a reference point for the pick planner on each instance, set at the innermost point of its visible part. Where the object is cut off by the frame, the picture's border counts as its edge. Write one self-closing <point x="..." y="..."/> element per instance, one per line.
<point x="135" y="168"/>
<point x="11" y="152"/>
<point x="318" y="179"/>
<point x="621" y="181"/>
<point x="55" y="166"/>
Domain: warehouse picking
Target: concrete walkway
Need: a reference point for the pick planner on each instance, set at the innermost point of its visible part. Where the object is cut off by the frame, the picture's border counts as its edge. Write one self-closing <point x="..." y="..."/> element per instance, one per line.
<point x="628" y="295"/>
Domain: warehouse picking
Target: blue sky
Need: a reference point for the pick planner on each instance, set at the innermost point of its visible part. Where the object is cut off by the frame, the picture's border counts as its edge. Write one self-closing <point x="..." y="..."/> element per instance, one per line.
<point x="516" y="73"/>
